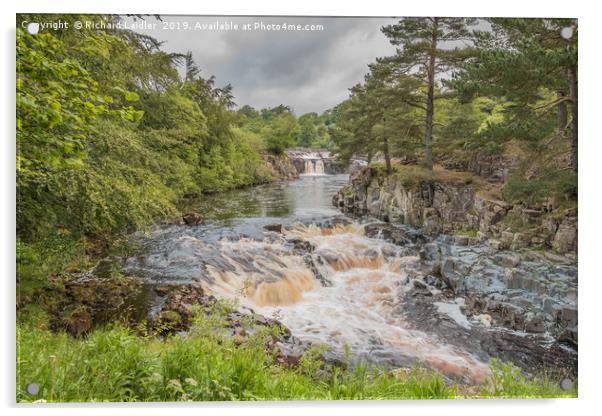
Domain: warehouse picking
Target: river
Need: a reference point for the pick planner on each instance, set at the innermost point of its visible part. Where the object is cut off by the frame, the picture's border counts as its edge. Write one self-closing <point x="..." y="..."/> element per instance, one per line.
<point x="321" y="276"/>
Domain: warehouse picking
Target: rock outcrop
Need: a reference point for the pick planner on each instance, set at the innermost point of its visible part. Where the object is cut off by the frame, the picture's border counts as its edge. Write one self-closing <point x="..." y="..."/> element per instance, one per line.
<point x="449" y="207"/>
<point x="192" y="218"/>
<point x="85" y="303"/>
<point x="88" y="302"/>
<point x="281" y="166"/>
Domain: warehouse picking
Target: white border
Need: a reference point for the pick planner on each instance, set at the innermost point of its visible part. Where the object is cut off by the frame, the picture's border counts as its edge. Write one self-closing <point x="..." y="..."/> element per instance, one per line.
<point x="589" y="203"/>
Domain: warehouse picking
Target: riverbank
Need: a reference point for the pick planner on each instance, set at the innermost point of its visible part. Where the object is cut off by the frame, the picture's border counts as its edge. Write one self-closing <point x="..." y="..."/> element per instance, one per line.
<point x="207" y="365"/>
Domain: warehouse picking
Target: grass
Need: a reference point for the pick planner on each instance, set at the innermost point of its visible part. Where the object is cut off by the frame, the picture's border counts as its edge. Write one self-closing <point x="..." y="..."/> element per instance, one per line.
<point x="506" y="381"/>
<point x="412" y="175"/>
<point x="116" y="364"/>
<point x="467" y="233"/>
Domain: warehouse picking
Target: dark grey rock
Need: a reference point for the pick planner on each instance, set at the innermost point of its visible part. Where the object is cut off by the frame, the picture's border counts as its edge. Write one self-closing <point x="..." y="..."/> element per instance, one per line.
<point x="507" y="259"/>
<point x="273" y="227"/>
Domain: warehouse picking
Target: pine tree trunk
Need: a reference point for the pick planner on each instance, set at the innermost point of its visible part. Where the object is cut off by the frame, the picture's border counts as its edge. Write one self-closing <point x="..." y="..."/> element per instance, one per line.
<point x="562" y="114"/>
<point x="574" y="121"/>
<point x="387" y="157"/>
<point x="430" y="107"/>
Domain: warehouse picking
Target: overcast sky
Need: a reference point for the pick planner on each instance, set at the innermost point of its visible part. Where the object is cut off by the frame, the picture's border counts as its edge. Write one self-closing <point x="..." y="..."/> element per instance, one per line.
<point x="307" y="70"/>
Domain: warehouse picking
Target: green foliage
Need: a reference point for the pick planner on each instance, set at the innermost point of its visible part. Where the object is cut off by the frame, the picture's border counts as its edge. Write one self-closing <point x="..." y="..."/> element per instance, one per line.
<point x="508" y="85"/>
<point x="308" y="133"/>
<point x="278" y="128"/>
<point x="109" y="139"/>
<point x="551" y="186"/>
<point x="411" y="176"/>
<point x="280" y="133"/>
<point x="57" y="100"/>
<point x="506" y="381"/>
<point x="540" y="61"/>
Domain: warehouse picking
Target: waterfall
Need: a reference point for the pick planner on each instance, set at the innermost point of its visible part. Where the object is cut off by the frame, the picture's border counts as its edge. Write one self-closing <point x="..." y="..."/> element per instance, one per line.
<point x="313" y="162"/>
<point x="314" y="167"/>
<point x="368" y="278"/>
<point x="319" y="167"/>
<point x="309" y="166"/>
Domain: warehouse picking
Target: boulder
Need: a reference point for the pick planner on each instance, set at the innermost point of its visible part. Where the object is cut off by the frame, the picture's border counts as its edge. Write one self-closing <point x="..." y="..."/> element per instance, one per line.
<point x="565" y="239"/>
<point x="484" y="319"/>
<point x="461" y="240"/>
<point x="277" y="228"/>
<point x="387" y="232"/>
<point x="288" y="355"/>
<point x="508" y="259"/>
<point x="490" y="212"/>
<point x="421" y="288"/>
<point x="452" y="278"/>
<point x="568" y="316"/>
<point x="535" y="324"/>
<point x="192" y="218"/>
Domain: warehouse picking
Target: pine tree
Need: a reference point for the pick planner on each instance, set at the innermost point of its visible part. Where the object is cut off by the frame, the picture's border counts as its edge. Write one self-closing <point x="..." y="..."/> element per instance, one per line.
<point x="378" y="116"/>
<point x="520" y="60"/>
<point x="429" y="46"/>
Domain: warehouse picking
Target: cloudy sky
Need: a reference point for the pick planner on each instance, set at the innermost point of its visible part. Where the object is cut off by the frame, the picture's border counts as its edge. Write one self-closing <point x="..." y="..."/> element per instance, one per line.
<point x="307" y="70"/>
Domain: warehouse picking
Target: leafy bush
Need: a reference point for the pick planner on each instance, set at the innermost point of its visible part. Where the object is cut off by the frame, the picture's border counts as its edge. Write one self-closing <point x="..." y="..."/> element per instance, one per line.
<point x="281" y="133"/>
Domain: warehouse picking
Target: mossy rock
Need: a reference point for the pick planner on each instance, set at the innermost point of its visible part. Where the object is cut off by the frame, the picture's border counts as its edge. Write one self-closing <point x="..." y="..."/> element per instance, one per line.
<point x="168" y="322"/>
<point x="171" y="317"/>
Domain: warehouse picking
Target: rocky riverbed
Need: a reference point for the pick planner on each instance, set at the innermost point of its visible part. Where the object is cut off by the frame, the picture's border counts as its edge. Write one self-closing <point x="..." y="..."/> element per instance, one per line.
<point x="519" y="306"/>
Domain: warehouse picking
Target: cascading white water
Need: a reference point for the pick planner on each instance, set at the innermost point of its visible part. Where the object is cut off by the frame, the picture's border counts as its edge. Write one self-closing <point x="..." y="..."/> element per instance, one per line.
<point x="362" y="309"/>
<point x="319" y="167"/>
<point x="309" y="167"/>
<point x="314" y="167"/>
<point x="368" y="305"/>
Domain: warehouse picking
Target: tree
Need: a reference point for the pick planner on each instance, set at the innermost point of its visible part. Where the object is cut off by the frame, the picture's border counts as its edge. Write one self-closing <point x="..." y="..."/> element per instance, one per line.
<point x="192" y="71"/>
<point x="308" y="134"/>
<point x="378" y="116"/>
<point x="248" y="111"/>
<point x="110" y="138"/>
<point x="279" y="110"/>
<point x="281" y="132"/>
<point x="429" y="47"/>
<point x="528" y="64"/>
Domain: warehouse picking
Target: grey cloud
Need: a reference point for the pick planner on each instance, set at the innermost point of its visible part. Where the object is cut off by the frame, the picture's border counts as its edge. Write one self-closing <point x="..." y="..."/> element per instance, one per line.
<point x="310" y="71"/>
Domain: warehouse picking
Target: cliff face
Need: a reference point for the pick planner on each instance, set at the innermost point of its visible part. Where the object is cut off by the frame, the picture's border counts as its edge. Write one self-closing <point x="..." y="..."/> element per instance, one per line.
<point x="456" y="207"/>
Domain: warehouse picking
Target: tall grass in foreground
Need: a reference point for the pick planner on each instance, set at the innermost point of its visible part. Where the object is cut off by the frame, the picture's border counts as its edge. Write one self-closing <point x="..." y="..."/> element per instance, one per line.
<point x="115" y="364"/>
